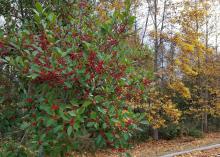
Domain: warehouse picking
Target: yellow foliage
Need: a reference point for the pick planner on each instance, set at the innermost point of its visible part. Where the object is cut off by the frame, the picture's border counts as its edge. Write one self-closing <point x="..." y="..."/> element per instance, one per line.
<point x="188" y="48"/>
<point x="105" y="7"/>
<point x="218" y="107"/>
<point x="181" y="88"/>
<point x="177" y="62"/>
<point x="117" y="5"/>
<point x="160" y="107"/>
<point x="209" y="51"/>
<point x="188" y="70"/>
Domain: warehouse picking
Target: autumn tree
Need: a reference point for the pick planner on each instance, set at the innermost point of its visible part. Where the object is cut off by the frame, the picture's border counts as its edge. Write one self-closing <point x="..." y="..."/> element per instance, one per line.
<point x="191" y="62"/>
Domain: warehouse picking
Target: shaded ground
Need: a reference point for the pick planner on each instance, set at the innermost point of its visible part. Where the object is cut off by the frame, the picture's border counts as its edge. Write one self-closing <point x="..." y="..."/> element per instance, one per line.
<point x="204" y="150"/>
<point x="207" y="153"/>
<point x="163" y="147"/>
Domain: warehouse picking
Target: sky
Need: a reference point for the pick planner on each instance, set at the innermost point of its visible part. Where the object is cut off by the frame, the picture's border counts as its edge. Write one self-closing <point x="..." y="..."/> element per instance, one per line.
<point x="142" y="14"/>
<point x="2" y="21"/>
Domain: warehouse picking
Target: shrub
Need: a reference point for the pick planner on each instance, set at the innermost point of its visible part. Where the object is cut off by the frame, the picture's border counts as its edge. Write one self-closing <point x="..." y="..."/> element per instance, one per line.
<point x="195" y="133"/>
<point x="214" y="124"/>
<point x="170" y="132"/>
<point x="10" y="148"/>
<point x="72" y="69"/>
<point x="143" y="133"/>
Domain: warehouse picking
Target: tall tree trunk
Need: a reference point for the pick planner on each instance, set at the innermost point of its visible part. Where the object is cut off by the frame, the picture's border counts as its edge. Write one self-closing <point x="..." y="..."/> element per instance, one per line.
<point x="155" y="131"/>
<point x="155" y="134"/>
<point x="216" y="34"/>
<point x="156" y="37"/>
<point x="206" y="96"/>
<point x="205" y="127"/>
<point x="145" y="27"/>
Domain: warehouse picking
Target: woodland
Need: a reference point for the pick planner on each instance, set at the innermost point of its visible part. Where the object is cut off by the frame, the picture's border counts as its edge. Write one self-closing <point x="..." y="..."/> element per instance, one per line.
<point x="88" y="76"/>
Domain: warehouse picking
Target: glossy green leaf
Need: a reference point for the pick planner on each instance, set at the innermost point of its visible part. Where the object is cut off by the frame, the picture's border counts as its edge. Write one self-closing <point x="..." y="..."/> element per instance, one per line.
<point x="72" y="113"/>
<point x="25" y="125"/>
<point x="69" y="130"/>
<point x="39" y="7"/>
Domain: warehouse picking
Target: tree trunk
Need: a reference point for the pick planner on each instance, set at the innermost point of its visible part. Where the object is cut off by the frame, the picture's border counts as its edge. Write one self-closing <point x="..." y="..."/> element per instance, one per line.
<point x="145" y="27"/>
<point x="155" y="134"/>
<point x="205" y="127"/>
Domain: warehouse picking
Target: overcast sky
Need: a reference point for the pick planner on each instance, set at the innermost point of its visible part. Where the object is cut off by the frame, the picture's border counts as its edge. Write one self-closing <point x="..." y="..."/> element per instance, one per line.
<point x="142" y="14"/>
<point x="2" y="21"/>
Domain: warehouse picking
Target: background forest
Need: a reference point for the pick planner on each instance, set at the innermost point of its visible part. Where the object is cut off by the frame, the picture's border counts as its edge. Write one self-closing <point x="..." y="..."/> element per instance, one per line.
<point x="88" y="75"/>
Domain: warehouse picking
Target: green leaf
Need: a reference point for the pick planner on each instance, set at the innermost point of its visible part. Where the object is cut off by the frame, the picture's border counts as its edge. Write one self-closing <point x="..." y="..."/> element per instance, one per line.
<point x="14" y="45"/>
<point x="37" y="18"/>
<point x="90" y="124"/>
<point x="76" y="126"/>
<point x="33" y="76"/>
<point x="145" y="122"/>
<point x="98" y="98"/>
<point x="19" y="60"/>
<point x="51" y="17"/>
<point x="82" y="71"/>
<point x="72" y="113"/>
<point x="24" y="125"/>
<point x="109" y="136"/>
<point x="39" y="7"/>
<point x="81" y="110"/>
<point x="87" y="45"/>
<point x="115" y="120"/>
<point x="59" y="51"/>
<point x="69" y="130"/>
<point x="35" y="68"/>
<point x="58" y="128"/>
<point x="138" y="128"/>
<point x="74" y="102"/>
<point x="75" y="145"/>
<point x="93" y="115"/>
<point x="61" y="113"/>
<point x="101" y="110"/>
<point x="86" y="103"/>
<point x="112" y="110"/>
<point x="7" y="58"/>
<point x="38" y="48"/>
<point x="68" y="84"/>
<point x="49" y="122"/>
<point x="126" y="136"/>
<point x="128" y="155"/>
<point x="1" y="33"/>
<point x="2" y="99"/>
<point x="142" y="117"/>
<point x="45" y="108"/>
<point x="131" y="20"/>
<point x="104" y="125"/>
<point x="99" y="140"/>
<point x="36" y="13"/>
<point x="43" y="137"/>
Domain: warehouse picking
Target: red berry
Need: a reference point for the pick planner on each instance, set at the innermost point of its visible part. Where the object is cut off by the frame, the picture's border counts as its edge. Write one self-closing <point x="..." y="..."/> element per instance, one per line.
<point x="34" y="115"/>
<point x="146" y="81"/>
<point x="82" y="4"/>
<point x="1" y="45"/>
<point x="34" y="124"/>
<point x="29" y="100"/>
<point x="73" y="56"/>
<point x="40" y="142"/>
<point x="55" y="107"/>
<point x="72" y="122"/>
